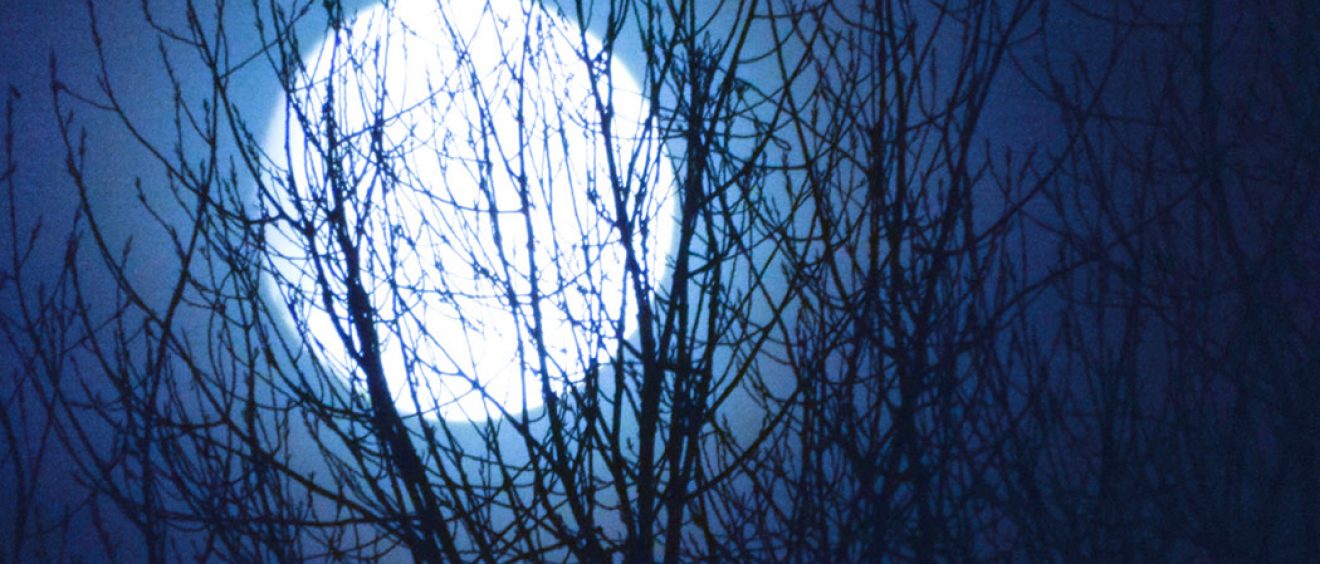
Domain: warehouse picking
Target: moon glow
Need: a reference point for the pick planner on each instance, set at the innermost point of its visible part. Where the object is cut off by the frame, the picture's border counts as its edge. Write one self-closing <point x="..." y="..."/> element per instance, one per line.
<point x="463" y="146"/>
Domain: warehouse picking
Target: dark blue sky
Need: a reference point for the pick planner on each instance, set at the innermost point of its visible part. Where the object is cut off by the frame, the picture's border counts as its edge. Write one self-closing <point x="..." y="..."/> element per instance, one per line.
<point x="1153" y="110"/>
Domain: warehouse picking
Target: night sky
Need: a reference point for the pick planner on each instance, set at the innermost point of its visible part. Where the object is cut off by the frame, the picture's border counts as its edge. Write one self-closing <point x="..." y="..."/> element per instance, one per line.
<point x="945" y="292"/>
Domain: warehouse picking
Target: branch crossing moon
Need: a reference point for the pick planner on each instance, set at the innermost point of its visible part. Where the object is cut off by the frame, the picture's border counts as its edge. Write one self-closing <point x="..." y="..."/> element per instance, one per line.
<point x="484" y="161"/>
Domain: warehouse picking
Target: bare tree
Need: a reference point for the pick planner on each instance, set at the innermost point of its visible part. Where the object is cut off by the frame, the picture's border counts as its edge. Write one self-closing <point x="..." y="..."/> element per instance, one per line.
<point x="432" y="309"/>
<point x="237" y="438"/>
<point x="910" y="288"/>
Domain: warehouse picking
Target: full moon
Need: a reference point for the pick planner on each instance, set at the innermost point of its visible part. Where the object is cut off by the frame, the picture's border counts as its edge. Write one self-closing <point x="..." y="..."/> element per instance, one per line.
<point x="485" y="160"/>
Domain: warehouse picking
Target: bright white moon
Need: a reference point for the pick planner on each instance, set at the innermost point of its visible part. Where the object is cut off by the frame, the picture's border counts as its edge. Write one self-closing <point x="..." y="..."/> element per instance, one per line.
<point x="483" y="194"/>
